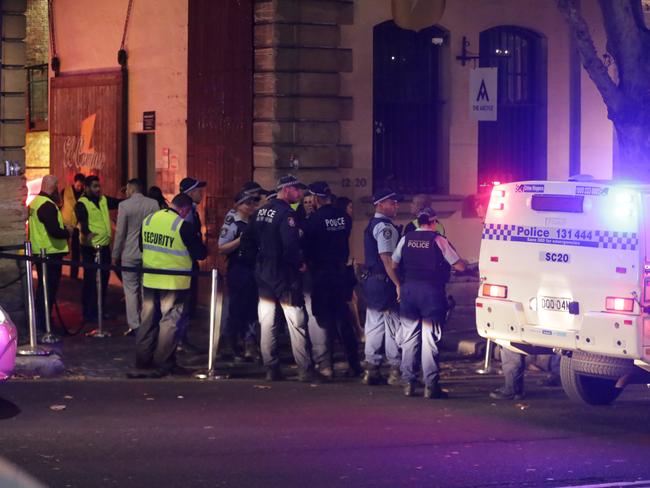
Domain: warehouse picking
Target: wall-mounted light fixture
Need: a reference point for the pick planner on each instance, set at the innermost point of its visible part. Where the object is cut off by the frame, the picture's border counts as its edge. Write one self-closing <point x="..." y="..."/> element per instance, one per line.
<point x="466" y="55"/>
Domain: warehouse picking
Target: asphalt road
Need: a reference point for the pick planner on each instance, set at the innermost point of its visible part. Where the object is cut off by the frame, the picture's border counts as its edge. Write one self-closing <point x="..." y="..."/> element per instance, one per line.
<point x="185" y="433"/>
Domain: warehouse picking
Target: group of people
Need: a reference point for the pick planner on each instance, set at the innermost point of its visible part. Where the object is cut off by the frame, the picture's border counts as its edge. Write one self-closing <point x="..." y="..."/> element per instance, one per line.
<point x="274" y="244"/>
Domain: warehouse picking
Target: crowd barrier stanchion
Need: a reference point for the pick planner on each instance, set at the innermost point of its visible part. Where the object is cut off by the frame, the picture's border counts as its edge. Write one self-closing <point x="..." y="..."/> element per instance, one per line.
<point x="215" y="327"/>
<point x="99" y="331"/>
<point x="49" y="337"/>
<point x="487" y="367"/>
<point x="33" y="349"/>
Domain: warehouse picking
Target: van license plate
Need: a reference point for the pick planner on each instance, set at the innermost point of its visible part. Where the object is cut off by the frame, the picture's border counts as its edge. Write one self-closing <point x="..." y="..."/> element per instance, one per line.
<point x="554" y="304"/>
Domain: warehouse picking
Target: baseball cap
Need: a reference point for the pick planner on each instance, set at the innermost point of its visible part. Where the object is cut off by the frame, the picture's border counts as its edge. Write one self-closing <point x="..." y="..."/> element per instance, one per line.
<point x="189" y="184"/>
<point x="289" y="180"/>
<point x="320" y="189"/>
<point x="243" y="197"/>
<point x="385" y="194"/>
<point x="253" y="187"/>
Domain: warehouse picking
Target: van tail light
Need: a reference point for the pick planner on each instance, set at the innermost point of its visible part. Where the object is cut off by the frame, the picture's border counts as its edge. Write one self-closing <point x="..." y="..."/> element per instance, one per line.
<point x="617" y="304"/>
<point x="646" y="290"/>
<point x="497" y="200"/>
<point x="495" y="291"/>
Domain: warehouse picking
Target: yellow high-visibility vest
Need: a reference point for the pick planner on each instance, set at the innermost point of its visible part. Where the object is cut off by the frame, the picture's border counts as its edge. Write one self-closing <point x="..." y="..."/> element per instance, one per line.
<point x="38" y="235"/>
<point x="67" y="211"/>
<point x="163" y="248"/>
<point x="99" y="222"/>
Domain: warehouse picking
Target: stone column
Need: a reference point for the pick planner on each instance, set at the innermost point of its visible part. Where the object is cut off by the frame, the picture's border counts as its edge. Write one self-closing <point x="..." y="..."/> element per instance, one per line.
<point x="298" y="102"/>
<point x="12" y="141"/>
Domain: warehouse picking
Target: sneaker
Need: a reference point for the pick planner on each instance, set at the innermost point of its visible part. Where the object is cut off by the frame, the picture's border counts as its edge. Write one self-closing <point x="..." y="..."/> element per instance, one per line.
<point x="274" y="374"/>
<point x="250" y="351"/>
<point x="326" y="373"/>
<point x="435" y="392"/>
<point x="130" y="333"/>
<point x="394" y="377"/>
<point x="500" y="394"/>
<point x="409" y="389"/>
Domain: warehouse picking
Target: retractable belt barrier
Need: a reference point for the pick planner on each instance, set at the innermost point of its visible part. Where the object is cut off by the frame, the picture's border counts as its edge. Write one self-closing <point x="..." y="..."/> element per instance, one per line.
<point x="28" y="258"/>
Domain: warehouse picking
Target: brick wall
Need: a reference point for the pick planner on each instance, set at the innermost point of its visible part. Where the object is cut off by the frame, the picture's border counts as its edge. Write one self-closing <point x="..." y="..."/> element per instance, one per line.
<point x="37" y="39"/>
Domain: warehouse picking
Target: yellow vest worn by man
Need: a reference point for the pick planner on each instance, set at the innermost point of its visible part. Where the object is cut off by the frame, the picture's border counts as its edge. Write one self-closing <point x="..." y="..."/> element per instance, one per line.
<point x="163" y="248"/>
<point x="67" y="211"/>
<point x="38" y="235"/>
<point x="99" y="222"/>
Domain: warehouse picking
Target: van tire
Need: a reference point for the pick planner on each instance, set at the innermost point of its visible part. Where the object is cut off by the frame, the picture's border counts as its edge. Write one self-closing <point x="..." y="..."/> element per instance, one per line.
<point x="586" y="388"/>
<point x="601" y="366"/>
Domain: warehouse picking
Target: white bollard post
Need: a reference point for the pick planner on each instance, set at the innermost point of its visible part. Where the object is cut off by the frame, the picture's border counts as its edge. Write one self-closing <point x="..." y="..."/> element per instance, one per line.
<point x="33" y="349"/>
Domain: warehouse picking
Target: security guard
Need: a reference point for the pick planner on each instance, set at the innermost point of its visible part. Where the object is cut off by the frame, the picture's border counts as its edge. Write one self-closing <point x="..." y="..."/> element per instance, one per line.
<point x="419" y="203"/>
<point x="242" y="290"/>
<point x="47" y="231"/>
<point x="94" y="230"/>
<point x="168" y="242"/>
<point x="326" y="243"/>
<point x="425" y="258"/>
<point x="70" y="196"/>
<point x="273" y="238"/>
<point x="381" y="287"/>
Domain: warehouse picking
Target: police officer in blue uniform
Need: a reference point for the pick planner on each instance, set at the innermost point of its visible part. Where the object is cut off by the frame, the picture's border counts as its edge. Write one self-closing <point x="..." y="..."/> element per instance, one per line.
<point x="381" y="287"/>
<point x="272" y="237"/>
<point x="242" y="303"/>
<point x="327" y="249"/>
<point x="425" y="258"/>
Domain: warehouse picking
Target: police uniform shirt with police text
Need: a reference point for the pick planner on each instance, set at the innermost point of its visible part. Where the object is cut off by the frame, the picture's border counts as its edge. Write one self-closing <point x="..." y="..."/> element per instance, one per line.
<point x="230" y="231"/>
<point x="447" y="250"/>
<point x="385" y="234"/>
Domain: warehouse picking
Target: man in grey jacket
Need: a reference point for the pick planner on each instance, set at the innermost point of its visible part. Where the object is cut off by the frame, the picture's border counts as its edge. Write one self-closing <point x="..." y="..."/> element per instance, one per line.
<point x="126" y="248"/>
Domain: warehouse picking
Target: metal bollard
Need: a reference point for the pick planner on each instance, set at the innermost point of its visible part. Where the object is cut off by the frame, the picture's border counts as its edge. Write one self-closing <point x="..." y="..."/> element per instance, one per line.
<point x="99" y="331"/>
<point x="49" y="337"/>
<point x="487" y="367"/>
<point x="215" y="329"/>
<point x="32" y="349"/>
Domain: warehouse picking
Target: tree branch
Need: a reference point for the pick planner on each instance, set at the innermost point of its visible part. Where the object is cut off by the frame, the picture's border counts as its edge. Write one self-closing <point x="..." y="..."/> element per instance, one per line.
<point x="592" y="63"/>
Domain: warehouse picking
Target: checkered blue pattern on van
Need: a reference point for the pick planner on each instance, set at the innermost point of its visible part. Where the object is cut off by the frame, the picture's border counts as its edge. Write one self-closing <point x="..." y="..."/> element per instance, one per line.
<point x="603" y="239"/>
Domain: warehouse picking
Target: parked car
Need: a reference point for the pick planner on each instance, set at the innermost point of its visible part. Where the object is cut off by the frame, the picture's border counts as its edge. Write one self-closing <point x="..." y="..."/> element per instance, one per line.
<point x="8" y="342"/>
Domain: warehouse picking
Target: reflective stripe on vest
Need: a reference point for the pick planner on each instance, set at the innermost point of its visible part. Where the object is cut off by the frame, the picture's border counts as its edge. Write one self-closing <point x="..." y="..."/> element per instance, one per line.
<point x="163" y="248"/>
<point x="38" y="235"/>
<point x="99" y="222"/>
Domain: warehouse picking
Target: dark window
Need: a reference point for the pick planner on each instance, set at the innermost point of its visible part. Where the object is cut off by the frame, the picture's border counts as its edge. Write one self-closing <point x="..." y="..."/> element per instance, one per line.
<point x="513" y="148"/>
<point x="37" y="96"/>
<point x="407" y="109"/>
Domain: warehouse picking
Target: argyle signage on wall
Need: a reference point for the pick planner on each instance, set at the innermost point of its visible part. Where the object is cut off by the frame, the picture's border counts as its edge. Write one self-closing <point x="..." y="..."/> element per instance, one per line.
<point x="86" y="127"/>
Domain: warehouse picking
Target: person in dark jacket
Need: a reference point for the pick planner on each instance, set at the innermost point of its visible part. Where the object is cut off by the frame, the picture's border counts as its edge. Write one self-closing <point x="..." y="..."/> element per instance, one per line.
<point x="327" y="249"/>
<point x="273" y="239"/>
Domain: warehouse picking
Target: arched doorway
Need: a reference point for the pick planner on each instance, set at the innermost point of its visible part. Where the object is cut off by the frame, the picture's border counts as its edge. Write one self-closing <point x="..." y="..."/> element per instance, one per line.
<point x="514" y="147"/>
<point x="407" y="109"/>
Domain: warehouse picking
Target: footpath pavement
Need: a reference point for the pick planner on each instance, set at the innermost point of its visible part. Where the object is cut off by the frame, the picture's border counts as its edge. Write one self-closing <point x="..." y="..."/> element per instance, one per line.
<point x="82" y="356"/>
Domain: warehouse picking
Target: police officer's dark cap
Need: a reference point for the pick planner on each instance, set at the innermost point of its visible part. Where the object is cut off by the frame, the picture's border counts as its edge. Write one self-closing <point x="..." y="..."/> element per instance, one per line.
<point x="289" y="180"/>
<point x="189" y="184"/>
<point x="253" y="187"/>
<point x="272" y="195"/>
<point x="427" y="213"/>
<point x="320" y="189"/>
<point x="386" y="194"/>
<point x="243" y="197"/>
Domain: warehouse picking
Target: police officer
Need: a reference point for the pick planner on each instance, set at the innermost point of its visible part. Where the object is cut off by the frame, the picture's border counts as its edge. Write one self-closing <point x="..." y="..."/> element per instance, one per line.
<point x="326" y="244"/>
<point x="47" y="231"/>
<point x="381" y="287"/>
<point x="273" y="238"/>
<point x="168" y="242"/>
<point x="94" y="230"/>
<point x="425" y="258"/>
<point x="242" y="304"/>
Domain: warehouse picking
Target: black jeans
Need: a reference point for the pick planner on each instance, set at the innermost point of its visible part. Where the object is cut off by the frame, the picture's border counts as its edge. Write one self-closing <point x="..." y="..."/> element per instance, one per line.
<point x="53" y="279"/>
<point x="89" y="288"/>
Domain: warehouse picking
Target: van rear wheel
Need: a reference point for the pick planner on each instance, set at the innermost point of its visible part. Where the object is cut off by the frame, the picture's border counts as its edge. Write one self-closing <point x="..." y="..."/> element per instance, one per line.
<point x="580" y="387"/>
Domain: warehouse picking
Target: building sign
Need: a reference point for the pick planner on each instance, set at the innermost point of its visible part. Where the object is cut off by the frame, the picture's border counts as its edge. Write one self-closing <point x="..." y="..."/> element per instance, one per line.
<point x="483" y="96"/>
<point x="148" y="120"/>
<point x="86" y="127"/>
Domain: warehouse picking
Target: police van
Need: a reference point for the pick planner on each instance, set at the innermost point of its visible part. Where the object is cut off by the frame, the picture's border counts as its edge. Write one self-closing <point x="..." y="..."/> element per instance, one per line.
<point x="565" y="268"/>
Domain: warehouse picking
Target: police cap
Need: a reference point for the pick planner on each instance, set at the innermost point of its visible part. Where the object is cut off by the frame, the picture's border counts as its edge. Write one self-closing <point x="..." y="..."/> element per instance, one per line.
<point x="253" y="187"/>
<point x="289" y="180"/>
<point x="386" y="194"/>
<point x="243" y="197"/>
<point x="320" y="189"/>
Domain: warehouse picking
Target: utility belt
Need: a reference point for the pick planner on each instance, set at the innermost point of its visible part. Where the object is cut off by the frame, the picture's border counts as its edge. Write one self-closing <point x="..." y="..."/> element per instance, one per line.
<point x="366" y="274"/>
